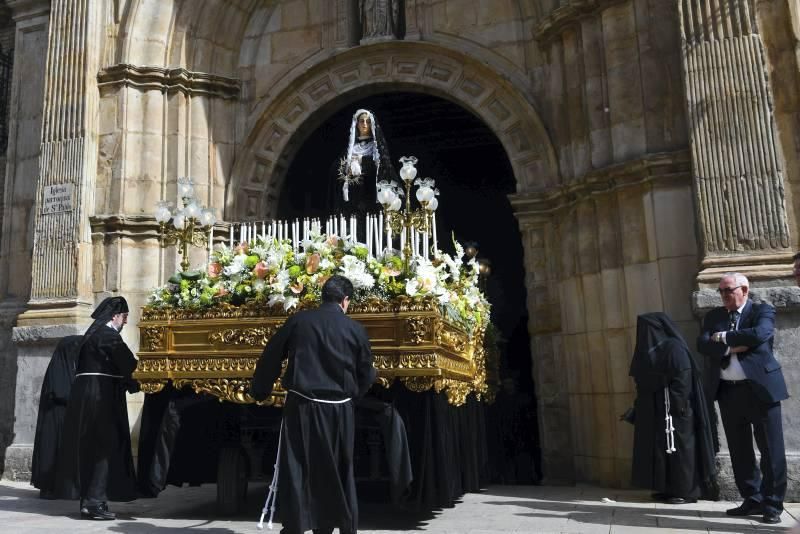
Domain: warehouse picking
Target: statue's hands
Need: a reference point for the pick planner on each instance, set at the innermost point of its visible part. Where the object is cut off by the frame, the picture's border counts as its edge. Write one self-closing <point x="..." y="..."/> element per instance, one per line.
<point x="355" y="167"/>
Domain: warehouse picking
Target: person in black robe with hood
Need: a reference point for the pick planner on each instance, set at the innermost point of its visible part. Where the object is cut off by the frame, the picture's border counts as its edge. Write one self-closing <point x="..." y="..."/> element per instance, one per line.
<point x="678" y="465"/>
<point x="96" y="463"/>
<point x="329" y="365"/>
<point x="52" y="408"/>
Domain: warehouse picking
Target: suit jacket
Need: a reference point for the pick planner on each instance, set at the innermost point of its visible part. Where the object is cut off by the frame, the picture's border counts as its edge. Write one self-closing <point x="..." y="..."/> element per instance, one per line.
<point x="756" y="330"/>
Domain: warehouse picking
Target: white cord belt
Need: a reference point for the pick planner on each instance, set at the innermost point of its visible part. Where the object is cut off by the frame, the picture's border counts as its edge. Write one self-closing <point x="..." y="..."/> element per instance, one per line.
<point x="320" y="400"/>
<point x="669" y="429"/>
<point x="99" y="374"/>
<point x="272" y="495"/>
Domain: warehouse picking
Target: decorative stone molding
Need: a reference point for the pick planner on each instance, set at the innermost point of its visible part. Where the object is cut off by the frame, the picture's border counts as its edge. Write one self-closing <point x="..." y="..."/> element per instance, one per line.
<point x="552" y="26"/>
<point x="736" y="154"/>
<point x="666" y="166"/>
<point x="470" y="80"/>
<point x="168" y="80"/>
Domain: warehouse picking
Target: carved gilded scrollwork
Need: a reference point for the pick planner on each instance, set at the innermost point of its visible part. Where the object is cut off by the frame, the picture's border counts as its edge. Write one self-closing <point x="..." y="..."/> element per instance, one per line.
<point x="152" y="365"/>
<point x="153" y="338"/>
<point x="152" y="386"/>
<point x="452" y="340"/>
<point x="212" y="364"/>
<point x="418" y="329"/>
<point x="228" y="389"/>
<point x="254" y="337"/>
<point x="456" y="391"/>
<point x="418" y="384"/>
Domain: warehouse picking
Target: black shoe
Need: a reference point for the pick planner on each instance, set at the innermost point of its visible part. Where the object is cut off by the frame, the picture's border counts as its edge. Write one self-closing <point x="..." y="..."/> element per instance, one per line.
<point x="748" y="507"/>
<point x="679" y="500"/>
<point x="771" y="517"/>
<point x="98" y="513"/>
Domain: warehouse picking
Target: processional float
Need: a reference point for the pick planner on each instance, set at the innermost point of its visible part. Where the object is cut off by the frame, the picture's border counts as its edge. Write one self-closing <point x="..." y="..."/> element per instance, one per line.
<point x="422" y="308"/>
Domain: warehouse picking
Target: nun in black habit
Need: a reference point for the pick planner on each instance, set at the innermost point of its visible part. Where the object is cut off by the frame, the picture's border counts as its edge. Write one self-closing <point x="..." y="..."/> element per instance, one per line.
<point x="52" y="408"/>
<point x="673" y="451"/>
<point x="96" y="461"/>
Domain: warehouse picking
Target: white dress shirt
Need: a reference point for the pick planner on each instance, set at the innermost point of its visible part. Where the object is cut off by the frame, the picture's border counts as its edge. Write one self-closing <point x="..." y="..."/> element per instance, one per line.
<point x="734" y="370"/>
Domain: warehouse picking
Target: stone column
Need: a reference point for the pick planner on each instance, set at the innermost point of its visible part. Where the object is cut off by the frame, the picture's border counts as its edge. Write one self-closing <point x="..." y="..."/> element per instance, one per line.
<point x="61" y="268"/>
<point x="739" y="175"/>
<point x="737" y="161"/>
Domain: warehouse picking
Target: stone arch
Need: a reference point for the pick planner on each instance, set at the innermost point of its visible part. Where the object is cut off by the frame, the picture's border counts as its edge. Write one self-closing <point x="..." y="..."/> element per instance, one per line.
<point x="277" y="123"/>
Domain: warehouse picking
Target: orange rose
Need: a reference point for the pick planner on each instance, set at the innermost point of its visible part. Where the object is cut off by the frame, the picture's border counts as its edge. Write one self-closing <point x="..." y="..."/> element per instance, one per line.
<point x="214" y="269"/>
<point x="296" y="288"/>
<point x="261" y="270"/>
<point x="312" y="263"/>
<point x="242" y="248"/>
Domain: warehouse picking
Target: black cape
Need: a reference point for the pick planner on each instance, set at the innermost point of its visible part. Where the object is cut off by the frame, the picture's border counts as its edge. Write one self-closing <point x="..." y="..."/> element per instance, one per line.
<point x="663" y="360"/>
<point x="96" y="436"/>
<point x="329" y="358"/>
<point x="53" y="399"/>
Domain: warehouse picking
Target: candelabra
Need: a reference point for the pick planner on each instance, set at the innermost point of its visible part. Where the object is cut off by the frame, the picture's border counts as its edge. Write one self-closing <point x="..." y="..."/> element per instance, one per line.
<point x="402" y="219"/>
<point x="190" y="224"/>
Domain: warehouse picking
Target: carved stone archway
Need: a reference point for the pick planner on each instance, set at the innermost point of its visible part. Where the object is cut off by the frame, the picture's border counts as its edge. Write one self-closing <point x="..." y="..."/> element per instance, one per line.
<point x="278" y="123"/>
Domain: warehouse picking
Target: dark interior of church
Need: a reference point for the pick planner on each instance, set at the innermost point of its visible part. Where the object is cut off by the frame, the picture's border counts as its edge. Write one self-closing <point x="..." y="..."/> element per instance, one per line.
<point x="474" y="177"/>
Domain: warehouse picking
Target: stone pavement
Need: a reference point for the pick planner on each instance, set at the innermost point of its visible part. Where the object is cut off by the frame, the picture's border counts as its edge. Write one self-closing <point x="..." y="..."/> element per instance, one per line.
<point x="499" y="509"/>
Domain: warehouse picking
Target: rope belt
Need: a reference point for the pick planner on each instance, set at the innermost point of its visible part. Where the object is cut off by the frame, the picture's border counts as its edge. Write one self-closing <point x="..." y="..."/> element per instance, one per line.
<point x="98" y="374"/>
<point x="272" y="495"/>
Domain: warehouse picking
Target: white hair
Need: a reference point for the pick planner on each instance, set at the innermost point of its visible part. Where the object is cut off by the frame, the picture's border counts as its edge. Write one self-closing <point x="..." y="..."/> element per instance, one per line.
<point x="739" y="279"/>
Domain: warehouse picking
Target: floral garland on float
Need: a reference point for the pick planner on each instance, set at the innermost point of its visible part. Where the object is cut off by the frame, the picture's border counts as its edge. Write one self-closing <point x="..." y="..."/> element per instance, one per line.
<point x="269" y="273"/>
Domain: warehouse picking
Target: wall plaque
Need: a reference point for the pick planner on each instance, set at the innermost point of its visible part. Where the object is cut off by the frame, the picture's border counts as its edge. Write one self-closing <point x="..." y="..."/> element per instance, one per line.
<point x="57" y="198"/>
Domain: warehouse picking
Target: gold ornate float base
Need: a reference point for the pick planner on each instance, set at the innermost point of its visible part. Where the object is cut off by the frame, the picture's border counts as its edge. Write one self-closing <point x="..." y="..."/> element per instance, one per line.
<point x="215" y="351"/>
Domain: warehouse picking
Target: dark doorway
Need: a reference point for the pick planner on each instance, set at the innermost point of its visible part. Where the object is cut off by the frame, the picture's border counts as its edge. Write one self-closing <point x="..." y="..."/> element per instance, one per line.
<point x="474" y="176"/>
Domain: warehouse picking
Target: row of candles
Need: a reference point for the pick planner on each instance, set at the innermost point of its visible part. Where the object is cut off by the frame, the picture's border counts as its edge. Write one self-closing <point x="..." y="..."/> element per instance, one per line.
<point x="378" y="237"/>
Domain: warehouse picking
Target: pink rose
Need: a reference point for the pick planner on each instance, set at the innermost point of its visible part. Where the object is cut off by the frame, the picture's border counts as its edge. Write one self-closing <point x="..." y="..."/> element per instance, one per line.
<point x="214" y="269"/>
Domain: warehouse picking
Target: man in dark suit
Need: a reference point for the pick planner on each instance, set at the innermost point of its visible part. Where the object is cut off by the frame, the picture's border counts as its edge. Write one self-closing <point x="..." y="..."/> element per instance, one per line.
<point x="329" y="365"/>
<point x="746" y="380"/>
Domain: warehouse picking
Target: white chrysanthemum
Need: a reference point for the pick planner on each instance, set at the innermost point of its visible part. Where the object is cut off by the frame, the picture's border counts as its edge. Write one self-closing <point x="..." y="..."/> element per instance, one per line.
<point x="356" y="271"/>
<point x="281" y="281"/>
<point x="412" y="287"/>
<point x="325" y="264"/>
<point x="236" y="266"/>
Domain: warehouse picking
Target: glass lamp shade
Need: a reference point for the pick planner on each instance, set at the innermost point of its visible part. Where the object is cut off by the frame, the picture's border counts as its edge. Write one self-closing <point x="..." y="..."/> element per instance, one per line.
<point x="425" y="194"/>
<point x="386" y="196"/>
<point x="179" y="221"/>
<point x="192" y="210"/>
<point x="207" y="217"/>
<point x="396" y="204"/>
<point x="432" y="204"/>
<point x="162" y="214"/>
<point x="185" y="189"/>
<point x="408" y="172"/>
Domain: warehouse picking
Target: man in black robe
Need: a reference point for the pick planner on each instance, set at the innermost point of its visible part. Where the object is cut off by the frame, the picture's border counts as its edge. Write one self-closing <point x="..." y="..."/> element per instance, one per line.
<point x="329" y="365"/>
<point x="52" y="408"/>
<point x="678" y="465"/>
<point x="96" y="461"/>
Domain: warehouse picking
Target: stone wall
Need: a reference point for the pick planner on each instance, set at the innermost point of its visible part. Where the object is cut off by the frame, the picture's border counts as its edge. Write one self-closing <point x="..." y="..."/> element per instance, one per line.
<point x="589" y="100"/>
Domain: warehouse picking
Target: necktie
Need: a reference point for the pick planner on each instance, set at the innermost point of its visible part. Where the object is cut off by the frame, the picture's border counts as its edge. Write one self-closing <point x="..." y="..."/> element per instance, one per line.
<point x="733" y="317"/>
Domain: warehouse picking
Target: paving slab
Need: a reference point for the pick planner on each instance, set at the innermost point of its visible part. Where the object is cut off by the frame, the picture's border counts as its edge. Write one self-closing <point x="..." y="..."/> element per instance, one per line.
<point x="497" y="509"/>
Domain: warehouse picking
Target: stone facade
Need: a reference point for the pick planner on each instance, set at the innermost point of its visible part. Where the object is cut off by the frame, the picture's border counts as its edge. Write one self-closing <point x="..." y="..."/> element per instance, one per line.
<point x="649" y="158"/>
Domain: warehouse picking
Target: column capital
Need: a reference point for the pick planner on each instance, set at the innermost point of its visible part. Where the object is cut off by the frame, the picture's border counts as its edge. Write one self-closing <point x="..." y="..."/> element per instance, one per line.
<point x="26" y="9"/>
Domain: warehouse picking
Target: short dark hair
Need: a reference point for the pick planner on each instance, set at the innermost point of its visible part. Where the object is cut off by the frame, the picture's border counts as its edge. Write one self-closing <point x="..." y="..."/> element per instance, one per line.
<point x="336" y="289"/>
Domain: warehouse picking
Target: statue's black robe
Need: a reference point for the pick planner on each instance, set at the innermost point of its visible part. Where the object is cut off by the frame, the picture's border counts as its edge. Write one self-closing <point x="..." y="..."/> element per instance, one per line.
<point x="52" y="407"/>
<point x="96" y="442"/>
<point x="662" y="359"/>
<point x="329" y="358"/>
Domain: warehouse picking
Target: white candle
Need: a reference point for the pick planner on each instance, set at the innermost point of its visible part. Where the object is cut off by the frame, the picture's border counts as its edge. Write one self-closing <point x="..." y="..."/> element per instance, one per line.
<point x="369" y="237"/>
<point x="425" y="251"/>
<point x="241" y="233"/>
<point x="263" y="230"/>
<point x="230" y="239"/>
<point x="210" y="242"/>
<point x="435" y="244"/>
<point x="295" y="236"/>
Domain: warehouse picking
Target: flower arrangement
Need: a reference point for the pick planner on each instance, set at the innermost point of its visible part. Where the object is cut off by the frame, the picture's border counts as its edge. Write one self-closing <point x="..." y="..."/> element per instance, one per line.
<point x="273" y="273"/>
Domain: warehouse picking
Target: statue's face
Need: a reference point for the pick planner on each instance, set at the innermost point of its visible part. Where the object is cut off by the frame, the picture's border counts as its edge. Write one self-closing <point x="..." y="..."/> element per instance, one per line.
<point x="364" y="125"/>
